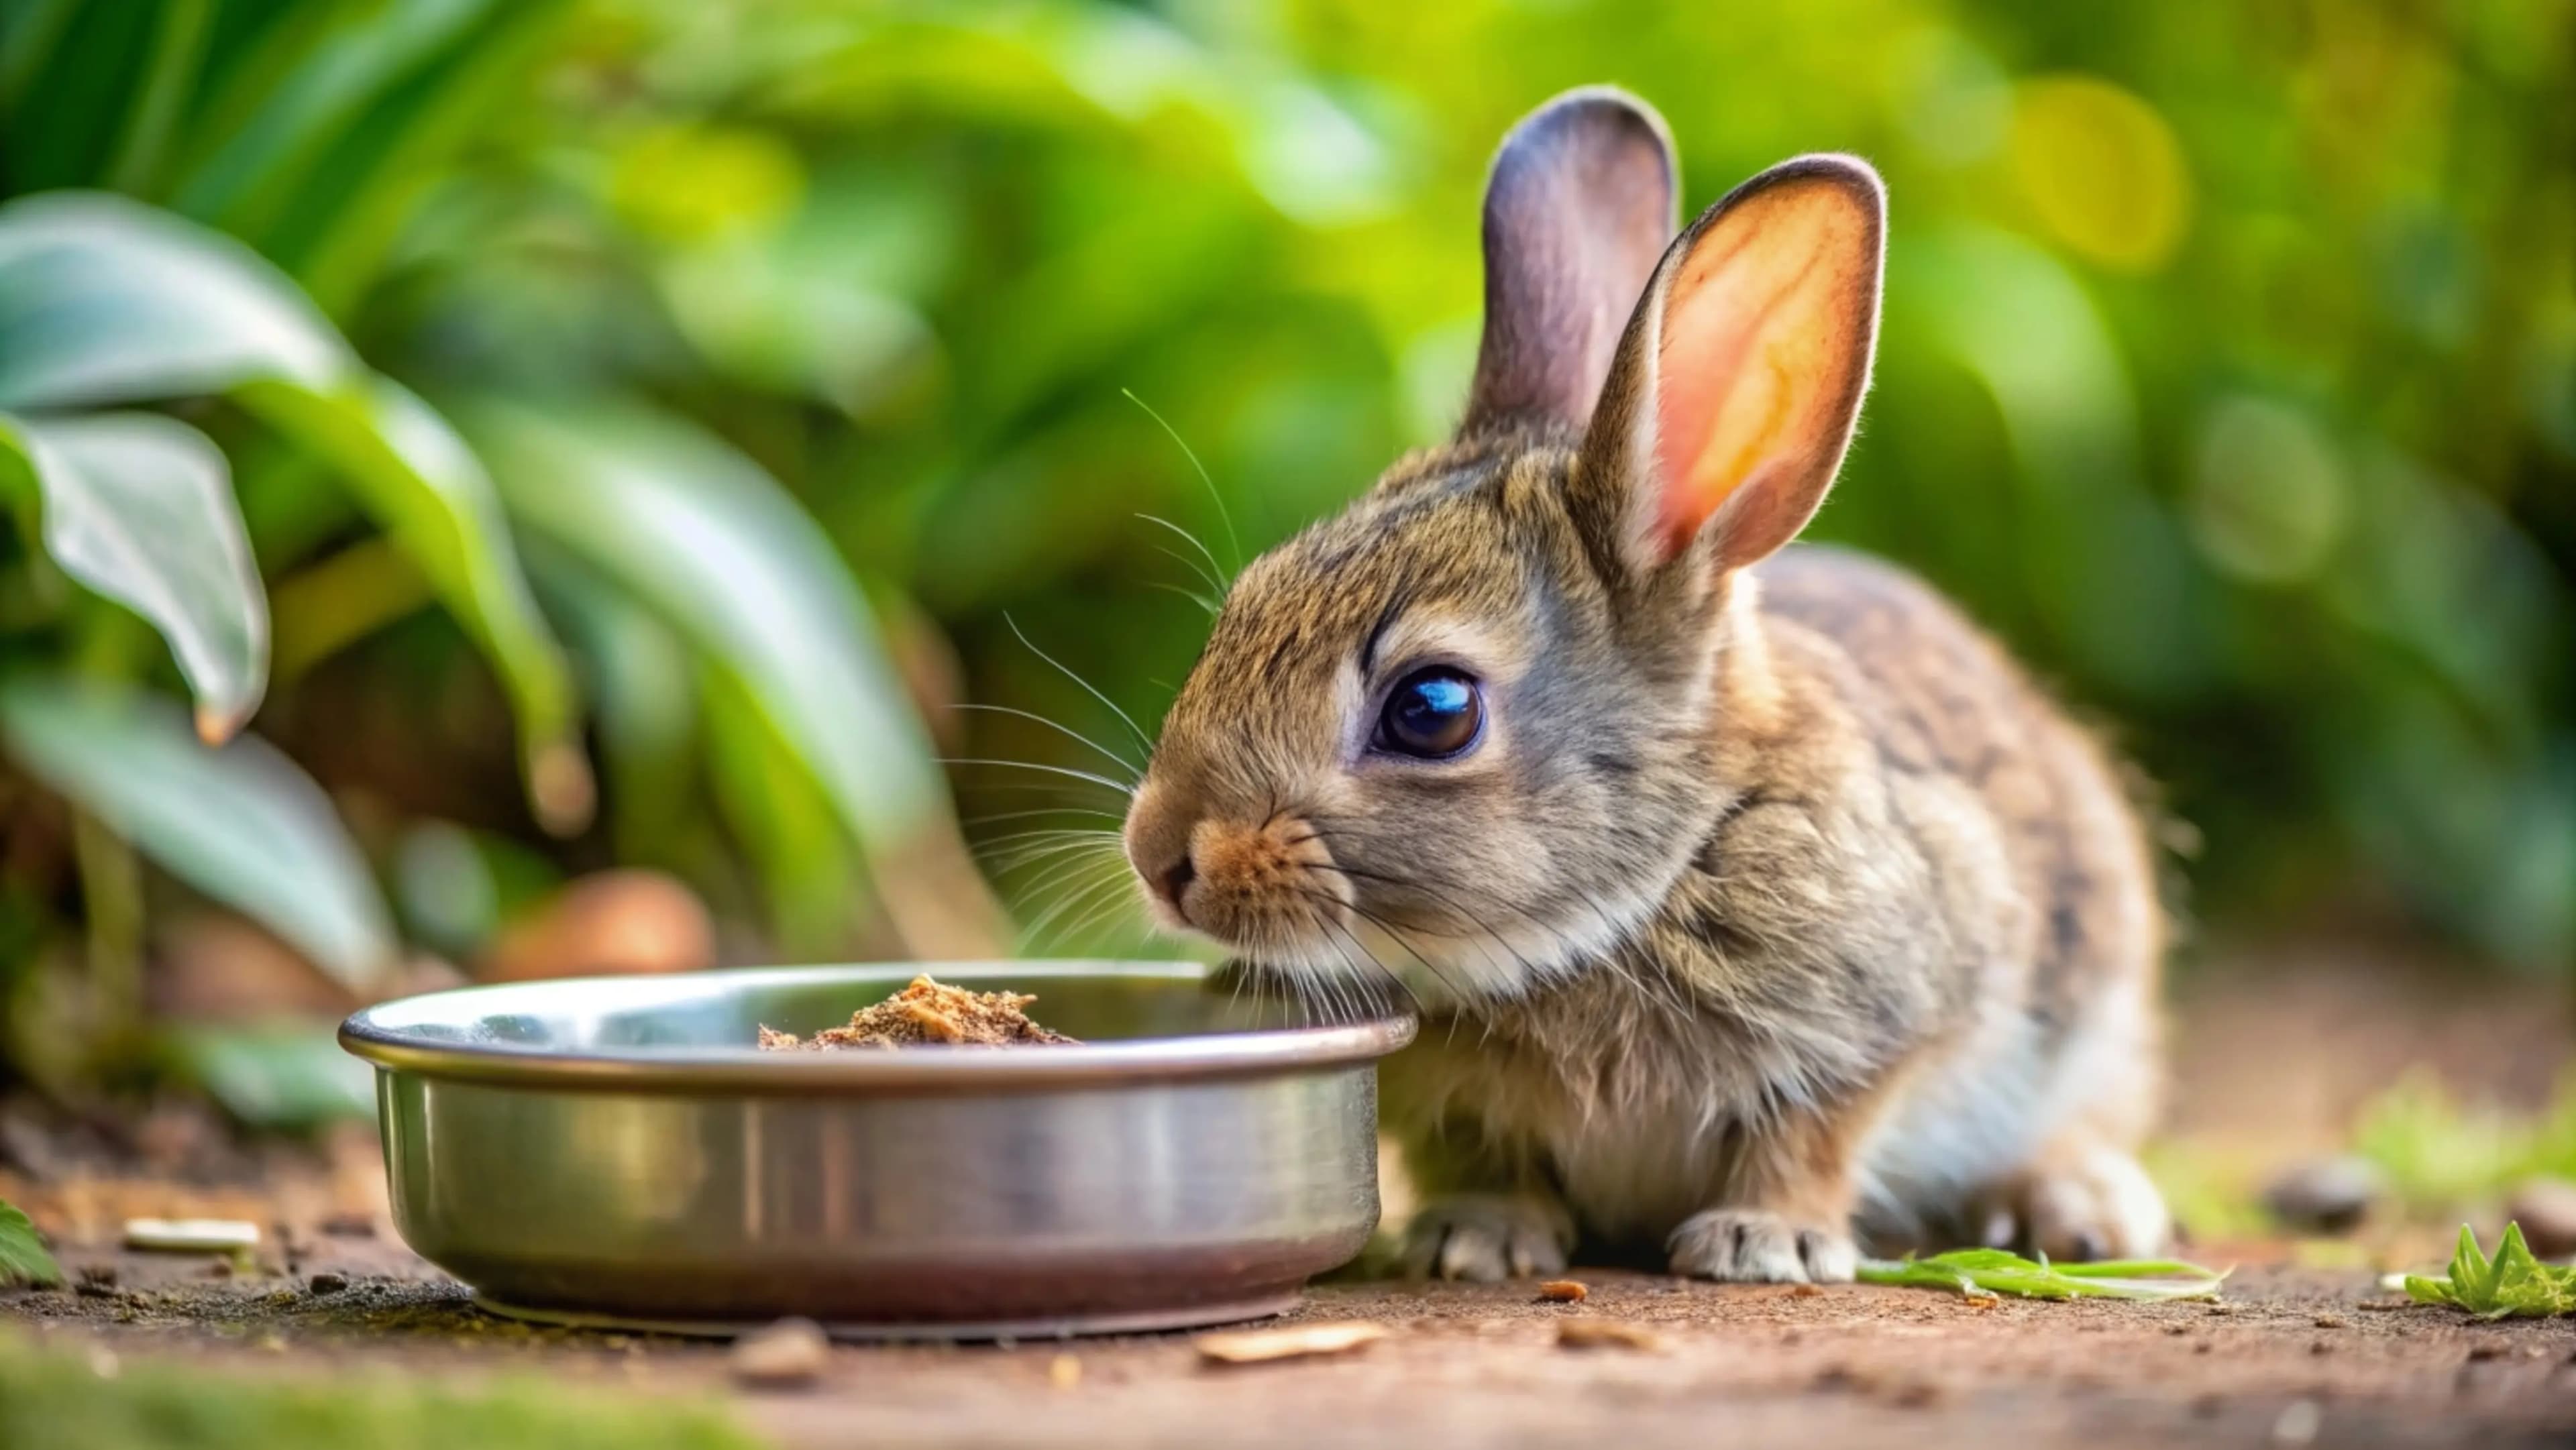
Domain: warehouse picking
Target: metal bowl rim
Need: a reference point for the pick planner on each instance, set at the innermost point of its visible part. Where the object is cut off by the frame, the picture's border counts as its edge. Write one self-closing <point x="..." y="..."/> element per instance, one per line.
<point x="702" y="1070"/>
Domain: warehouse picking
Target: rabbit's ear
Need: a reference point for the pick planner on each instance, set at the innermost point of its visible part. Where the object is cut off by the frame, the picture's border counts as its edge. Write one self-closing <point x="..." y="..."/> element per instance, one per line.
<point x="1735" y="388"/>
<point x="1580" y="204"/>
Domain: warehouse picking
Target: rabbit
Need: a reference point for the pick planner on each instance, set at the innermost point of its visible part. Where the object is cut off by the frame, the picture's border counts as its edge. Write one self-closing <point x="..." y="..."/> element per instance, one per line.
<point x="1758" y="908"/>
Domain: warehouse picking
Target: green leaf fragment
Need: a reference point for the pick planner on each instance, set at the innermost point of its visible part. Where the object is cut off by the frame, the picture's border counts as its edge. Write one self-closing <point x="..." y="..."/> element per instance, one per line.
<point x="23" y="1258"/>
<point x="2513" y="1284"/>
<point x="1987" y="1273"/>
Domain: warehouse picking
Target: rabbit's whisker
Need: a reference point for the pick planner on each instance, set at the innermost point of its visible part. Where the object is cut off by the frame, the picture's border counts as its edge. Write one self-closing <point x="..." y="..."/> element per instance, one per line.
<point x="1067" y="771"/>
<point x="1088" y="688"/>
<point x="1132" y="768"/>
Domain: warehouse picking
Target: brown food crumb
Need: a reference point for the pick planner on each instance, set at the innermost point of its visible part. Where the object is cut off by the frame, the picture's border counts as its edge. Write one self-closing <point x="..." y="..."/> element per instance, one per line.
<point x="1258" y="1346"/>
<point x="1605" y="1334"/>
<point x="1562" y="1291"/>
<point x="927" y="1013"/>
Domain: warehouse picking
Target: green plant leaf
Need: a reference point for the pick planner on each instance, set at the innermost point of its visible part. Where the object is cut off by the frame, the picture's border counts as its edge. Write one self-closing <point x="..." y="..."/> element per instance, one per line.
<point x="719" y="550"/>
<point x="105" y="300"/>
<point x="140" y="509"/>
<point x="421" y="480"/>
<point x="23" y="1258"/>
<point x="240" y="823"/>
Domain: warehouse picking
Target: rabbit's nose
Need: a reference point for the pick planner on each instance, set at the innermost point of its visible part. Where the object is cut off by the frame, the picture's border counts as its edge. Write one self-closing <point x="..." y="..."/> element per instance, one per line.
<point x="1175" y="879"/>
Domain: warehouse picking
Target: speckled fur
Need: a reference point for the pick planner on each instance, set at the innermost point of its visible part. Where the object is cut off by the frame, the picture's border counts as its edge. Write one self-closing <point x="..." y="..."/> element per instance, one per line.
<point x="1776" y="907"/>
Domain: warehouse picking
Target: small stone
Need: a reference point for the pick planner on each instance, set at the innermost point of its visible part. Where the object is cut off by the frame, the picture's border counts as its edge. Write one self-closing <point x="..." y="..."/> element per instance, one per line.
<point x="2546" y="1209"/>
<point x="787" y="1354"/>
<point x="326" y="1283"/>
<point x="2328" y="1197"/>
<point x="2298" y="1424"/>
<point x="1606" y="1334"/>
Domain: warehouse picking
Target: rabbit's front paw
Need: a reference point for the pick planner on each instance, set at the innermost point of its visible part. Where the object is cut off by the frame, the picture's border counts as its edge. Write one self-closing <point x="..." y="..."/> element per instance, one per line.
<point x="1755" y="1246"/>
<point x="1485" y="1238"/>
<point x="2081" y="1201"/>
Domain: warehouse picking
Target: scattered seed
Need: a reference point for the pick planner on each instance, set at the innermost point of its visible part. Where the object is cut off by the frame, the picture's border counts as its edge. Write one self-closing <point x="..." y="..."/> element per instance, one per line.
<point x="1606" y="1334"/>
<point x="787" y="1354"/>
<point x="2478" y="1352"/>
<point x="1917" y="1395"/>
<point x="1297" y="1341"/>
<point x="2177" y="1330"/>
<point x="2321" y="1346"/>
<point x="190" y="1235"/>
<point x="350" y="1226"/>
<point x="1804" y="1291"/>
<point x="1563" y="1291"/>
<point x="327" y="1283"/>
<point x="97" y="1276"/>
<point x="1064" y="1371"/>
<point x="2383" y="1306"/>
<point x="2331" y="1321"/>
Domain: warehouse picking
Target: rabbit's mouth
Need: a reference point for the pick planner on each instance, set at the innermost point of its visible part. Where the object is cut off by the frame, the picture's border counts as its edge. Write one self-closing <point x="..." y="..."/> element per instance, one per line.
<point x="1269" y="889"/>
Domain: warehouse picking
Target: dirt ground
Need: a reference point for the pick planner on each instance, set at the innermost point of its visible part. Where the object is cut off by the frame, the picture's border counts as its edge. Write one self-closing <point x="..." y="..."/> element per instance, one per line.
<point x="2305" y="1349"/>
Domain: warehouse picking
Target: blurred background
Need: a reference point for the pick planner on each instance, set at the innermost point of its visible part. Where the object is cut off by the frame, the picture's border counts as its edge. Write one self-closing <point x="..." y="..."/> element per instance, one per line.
<point x="580" y="454"/>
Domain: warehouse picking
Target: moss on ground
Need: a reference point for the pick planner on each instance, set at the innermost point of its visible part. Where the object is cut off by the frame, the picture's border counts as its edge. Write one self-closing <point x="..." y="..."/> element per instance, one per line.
<point x="59" y="1399"/>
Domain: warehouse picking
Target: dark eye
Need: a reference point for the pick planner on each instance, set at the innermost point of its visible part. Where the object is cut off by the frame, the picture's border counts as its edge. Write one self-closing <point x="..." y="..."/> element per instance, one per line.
<point x="1434" y="713"/>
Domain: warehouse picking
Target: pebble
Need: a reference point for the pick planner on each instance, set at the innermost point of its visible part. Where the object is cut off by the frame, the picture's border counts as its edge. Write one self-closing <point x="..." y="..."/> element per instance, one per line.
<point x="327" y="1283"/>
<point x="2331" y="1196"/>
<point x="787" y="1354"/>
<point x="2546" y="1209"/>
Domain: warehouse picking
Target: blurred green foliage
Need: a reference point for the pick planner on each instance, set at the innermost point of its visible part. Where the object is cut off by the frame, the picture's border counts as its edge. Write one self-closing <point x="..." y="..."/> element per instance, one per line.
<point x="2229" y="371"/>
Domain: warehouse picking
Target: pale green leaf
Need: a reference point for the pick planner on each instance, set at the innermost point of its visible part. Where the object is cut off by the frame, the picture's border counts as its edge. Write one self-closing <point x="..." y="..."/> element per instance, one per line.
<point x="241" y="823"/>
<point x="106" y="300"/>
<point x="283" y="1076"/>
<point x="140" y="509"/>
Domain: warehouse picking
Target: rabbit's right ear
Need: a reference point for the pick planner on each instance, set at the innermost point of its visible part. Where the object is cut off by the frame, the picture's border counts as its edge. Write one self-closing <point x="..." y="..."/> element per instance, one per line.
<point x="1579" y="207"/>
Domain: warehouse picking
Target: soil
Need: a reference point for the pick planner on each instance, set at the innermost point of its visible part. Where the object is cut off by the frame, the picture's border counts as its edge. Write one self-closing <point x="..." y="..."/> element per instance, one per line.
<point x="2305" y="1349"/>
<point x="928" y="1013"/>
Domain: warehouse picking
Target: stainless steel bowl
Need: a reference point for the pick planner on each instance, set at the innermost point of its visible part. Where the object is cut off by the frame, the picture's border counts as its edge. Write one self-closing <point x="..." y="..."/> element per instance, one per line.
<point x="613" y="1151"/>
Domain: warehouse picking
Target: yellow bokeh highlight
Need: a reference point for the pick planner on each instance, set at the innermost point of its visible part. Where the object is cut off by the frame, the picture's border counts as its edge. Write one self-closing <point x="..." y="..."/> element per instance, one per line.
<point x="2101" y="171"/>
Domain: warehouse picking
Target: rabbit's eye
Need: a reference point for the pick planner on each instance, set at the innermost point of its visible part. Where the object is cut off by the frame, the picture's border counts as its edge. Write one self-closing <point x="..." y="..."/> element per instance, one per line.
<point x="1434" y="713"/>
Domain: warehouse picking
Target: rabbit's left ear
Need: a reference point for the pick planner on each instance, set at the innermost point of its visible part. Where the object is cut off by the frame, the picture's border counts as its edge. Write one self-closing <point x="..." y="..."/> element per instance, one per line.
<point x="1735" y="388"/>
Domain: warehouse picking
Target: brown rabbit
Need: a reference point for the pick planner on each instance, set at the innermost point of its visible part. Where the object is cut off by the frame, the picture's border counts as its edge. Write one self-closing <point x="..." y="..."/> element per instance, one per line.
<point x="1755" y="900"/>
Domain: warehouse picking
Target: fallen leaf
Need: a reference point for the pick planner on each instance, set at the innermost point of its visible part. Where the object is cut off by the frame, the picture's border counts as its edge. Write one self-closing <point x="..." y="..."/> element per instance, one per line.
<point x="1297" y="1341"/>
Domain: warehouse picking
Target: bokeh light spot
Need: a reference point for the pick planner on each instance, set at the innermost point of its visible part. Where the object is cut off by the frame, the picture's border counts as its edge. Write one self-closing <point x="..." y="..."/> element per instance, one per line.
<point x="2102" y="172"/>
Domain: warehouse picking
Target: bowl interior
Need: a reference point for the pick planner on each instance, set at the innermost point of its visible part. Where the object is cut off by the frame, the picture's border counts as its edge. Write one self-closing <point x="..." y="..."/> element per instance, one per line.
<point x="1098" y="1002"/>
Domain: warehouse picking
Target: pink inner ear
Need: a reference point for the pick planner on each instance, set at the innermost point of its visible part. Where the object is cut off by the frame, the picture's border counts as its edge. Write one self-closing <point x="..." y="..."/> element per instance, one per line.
<point x="1765" y="344"/>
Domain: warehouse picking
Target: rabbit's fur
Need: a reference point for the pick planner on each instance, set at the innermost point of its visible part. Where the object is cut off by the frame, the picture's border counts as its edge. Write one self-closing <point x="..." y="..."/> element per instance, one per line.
<point x="1773" y="907"/>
